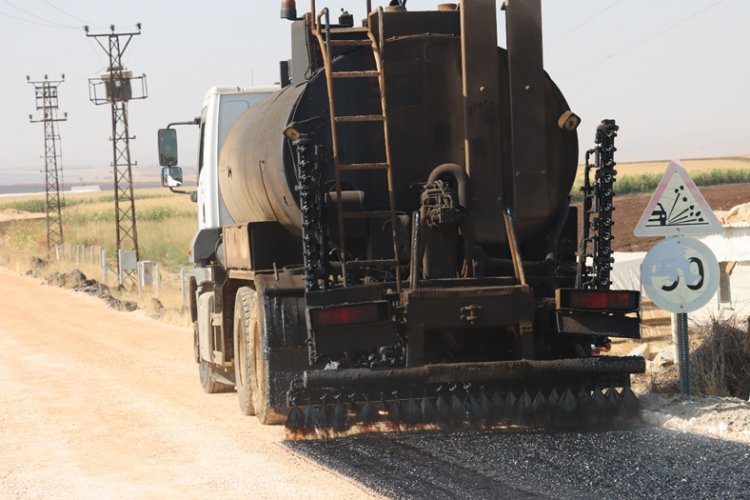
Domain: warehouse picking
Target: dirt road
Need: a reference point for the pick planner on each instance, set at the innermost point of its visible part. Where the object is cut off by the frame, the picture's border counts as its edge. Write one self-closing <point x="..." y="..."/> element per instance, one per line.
<point x="96" y="403"/>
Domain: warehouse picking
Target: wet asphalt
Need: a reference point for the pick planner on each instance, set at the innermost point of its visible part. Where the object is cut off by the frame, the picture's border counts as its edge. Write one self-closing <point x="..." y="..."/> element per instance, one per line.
<point x="640" y="462"/>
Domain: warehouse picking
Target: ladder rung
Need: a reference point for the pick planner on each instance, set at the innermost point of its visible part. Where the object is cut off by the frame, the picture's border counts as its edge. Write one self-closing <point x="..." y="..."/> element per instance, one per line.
<point x="350" y="43"/>
<point x="371" y="263"/>
<point x="335" y="31"/>
<point x="356" y="74"/>
<point x="360" y="118"/>
<point x="346" y="167"/>
<point x="380" y="214"/>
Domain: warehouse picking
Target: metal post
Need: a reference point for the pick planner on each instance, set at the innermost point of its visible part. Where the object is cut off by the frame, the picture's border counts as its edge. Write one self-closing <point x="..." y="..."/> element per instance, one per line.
<point x="103" y="263"/>
<point x="47" y="107"/>
<point x="157" y="279"/>
<point x="680" y="340"/>
<point x="118" y="83"/>
<point x="120" y="271"/>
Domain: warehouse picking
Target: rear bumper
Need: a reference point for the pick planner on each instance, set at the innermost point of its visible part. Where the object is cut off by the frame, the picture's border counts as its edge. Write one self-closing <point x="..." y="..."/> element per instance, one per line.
<point x="602" y="371"/>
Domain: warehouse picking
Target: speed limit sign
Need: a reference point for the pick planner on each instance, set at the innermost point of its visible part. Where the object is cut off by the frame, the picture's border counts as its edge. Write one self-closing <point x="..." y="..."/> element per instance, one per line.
<point x="680" y="275"/>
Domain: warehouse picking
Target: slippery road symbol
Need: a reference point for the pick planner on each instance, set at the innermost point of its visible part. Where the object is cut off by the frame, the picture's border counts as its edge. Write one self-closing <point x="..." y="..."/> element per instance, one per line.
<point x="677" y="208"/>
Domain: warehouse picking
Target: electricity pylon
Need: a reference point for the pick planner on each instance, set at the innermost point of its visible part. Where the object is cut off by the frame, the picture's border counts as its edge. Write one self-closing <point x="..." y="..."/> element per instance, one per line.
<point x="46" y="96"/>
<point x="118" y="90"/>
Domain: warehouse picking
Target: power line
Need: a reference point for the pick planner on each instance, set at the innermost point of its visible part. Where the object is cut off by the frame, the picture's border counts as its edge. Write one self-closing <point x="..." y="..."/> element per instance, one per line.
<point x="11" y="16"/>
<point x="51" y="23"/>
<point x="644" y="40"/>
<point x="584" y="23"/>
<point x="71" y="15"/>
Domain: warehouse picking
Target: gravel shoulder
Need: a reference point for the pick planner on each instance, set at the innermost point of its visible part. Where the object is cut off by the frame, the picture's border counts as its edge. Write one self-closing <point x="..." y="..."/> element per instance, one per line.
<point x="722" y="418"/>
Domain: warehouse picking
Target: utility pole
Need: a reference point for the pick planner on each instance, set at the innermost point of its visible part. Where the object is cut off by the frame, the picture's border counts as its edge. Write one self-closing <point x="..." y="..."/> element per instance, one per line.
<point x="116" y="87"/>
<point x="47" y="107"/>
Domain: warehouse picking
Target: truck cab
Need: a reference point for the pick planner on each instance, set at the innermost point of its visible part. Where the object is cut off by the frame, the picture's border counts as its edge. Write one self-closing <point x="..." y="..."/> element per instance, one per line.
<point x="222" y="106"/>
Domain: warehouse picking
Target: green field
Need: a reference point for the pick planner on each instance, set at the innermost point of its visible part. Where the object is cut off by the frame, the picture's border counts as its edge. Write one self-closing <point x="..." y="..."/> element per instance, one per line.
<point x="165" y="224"/>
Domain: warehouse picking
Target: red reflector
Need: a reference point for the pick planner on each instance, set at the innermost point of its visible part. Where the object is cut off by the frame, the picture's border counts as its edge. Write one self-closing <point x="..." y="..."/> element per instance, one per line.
<point x="344" y="315"/>
<point x="602" y="299"/>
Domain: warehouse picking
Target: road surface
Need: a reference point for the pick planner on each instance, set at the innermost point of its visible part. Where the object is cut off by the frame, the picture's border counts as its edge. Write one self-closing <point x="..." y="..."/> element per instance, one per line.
<point x="97" y="403"/>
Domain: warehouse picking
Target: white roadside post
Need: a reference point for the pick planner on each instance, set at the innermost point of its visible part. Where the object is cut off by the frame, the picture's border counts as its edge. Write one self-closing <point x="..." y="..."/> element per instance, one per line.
<point x="679" y="274"/>
<point x="157" y="279"/>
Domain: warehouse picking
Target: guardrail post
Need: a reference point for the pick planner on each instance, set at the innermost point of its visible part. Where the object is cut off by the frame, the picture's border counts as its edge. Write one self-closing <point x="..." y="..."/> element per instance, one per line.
<point x="157" y="279"/>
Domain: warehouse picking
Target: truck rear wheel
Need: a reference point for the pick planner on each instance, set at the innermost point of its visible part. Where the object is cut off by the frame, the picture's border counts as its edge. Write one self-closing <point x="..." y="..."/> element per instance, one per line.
<point x="251" y="368"/>
<point x="244" y="373"/>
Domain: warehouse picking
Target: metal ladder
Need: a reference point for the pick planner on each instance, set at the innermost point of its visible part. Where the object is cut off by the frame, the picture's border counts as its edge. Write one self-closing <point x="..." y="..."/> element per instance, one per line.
<point x="326" y="39"/>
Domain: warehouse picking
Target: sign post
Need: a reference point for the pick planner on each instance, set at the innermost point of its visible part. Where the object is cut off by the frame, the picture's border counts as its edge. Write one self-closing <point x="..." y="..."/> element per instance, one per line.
<point x="679" y="274"/>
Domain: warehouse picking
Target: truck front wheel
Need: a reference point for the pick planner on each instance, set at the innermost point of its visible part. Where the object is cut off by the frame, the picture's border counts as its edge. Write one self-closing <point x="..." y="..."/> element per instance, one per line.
<point x="208" y="379"/>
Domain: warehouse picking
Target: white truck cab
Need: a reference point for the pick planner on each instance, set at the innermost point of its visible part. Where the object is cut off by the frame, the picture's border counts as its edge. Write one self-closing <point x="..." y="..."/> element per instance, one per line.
<point x="222" y="106"/>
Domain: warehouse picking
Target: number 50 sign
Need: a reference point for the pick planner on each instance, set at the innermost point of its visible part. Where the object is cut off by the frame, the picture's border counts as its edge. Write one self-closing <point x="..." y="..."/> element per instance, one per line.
<point x="680" y="275"/>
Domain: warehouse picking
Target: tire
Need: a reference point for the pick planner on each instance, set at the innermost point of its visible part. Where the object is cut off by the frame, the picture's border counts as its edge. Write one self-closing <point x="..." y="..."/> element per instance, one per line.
<point x="251" y="369"/>
<point x="206" y="371"/>
<point x="244" y="307"/>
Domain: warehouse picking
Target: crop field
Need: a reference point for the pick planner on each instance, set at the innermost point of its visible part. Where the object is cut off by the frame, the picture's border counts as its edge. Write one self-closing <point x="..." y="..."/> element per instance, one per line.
<point x="165" y="223"/>
<point x="643" y="177"/>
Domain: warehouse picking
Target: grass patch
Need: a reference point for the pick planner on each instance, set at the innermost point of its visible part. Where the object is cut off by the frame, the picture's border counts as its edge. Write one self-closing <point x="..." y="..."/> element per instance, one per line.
<point x="720" y="365"/>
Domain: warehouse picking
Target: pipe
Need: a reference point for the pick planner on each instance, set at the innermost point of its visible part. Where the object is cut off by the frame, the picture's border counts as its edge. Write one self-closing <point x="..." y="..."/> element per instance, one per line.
<point x="496" y="266"/>
<point x="462" y="182"/>
<point x="481" y="372"/>
<point x="458" y="173"/>
<point x="416" y="254"/>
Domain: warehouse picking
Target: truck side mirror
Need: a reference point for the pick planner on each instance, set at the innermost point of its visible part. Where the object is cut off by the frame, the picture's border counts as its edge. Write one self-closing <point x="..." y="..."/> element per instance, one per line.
<point x="171" y="177"/>
<point x="168" y="148"/>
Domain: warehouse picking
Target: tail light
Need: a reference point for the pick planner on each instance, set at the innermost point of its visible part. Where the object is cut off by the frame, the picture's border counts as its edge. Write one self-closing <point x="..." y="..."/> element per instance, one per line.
<point x="349" y="314"/>
<point x="599" y="300"/>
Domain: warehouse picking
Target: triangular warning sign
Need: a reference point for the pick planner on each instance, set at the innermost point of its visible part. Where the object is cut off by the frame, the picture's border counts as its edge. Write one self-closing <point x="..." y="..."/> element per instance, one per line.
<point x="677" y="208"/>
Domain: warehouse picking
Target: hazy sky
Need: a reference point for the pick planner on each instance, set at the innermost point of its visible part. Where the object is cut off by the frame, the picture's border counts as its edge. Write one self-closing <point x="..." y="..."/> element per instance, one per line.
<point x="675" y="74"/>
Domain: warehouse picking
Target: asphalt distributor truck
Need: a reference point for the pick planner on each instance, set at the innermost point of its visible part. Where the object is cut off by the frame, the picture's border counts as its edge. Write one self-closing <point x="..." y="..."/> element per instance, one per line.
<point x="386" y="239"/>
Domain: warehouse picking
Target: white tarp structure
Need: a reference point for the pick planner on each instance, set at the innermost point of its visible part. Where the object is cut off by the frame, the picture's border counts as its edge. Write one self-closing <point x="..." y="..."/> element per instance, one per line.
<point x="733" y="245"/>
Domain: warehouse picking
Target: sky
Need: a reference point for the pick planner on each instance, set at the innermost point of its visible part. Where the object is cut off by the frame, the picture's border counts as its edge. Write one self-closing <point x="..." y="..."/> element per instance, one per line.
<point x="674" y="74"/>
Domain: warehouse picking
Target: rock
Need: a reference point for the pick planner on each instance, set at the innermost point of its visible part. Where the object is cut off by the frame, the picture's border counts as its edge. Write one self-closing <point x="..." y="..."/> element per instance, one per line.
<point x="665" y="357"/>
<point x="76" y="276"/>
<point x="156" y="305"/>
<point x="643" y="350"/>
